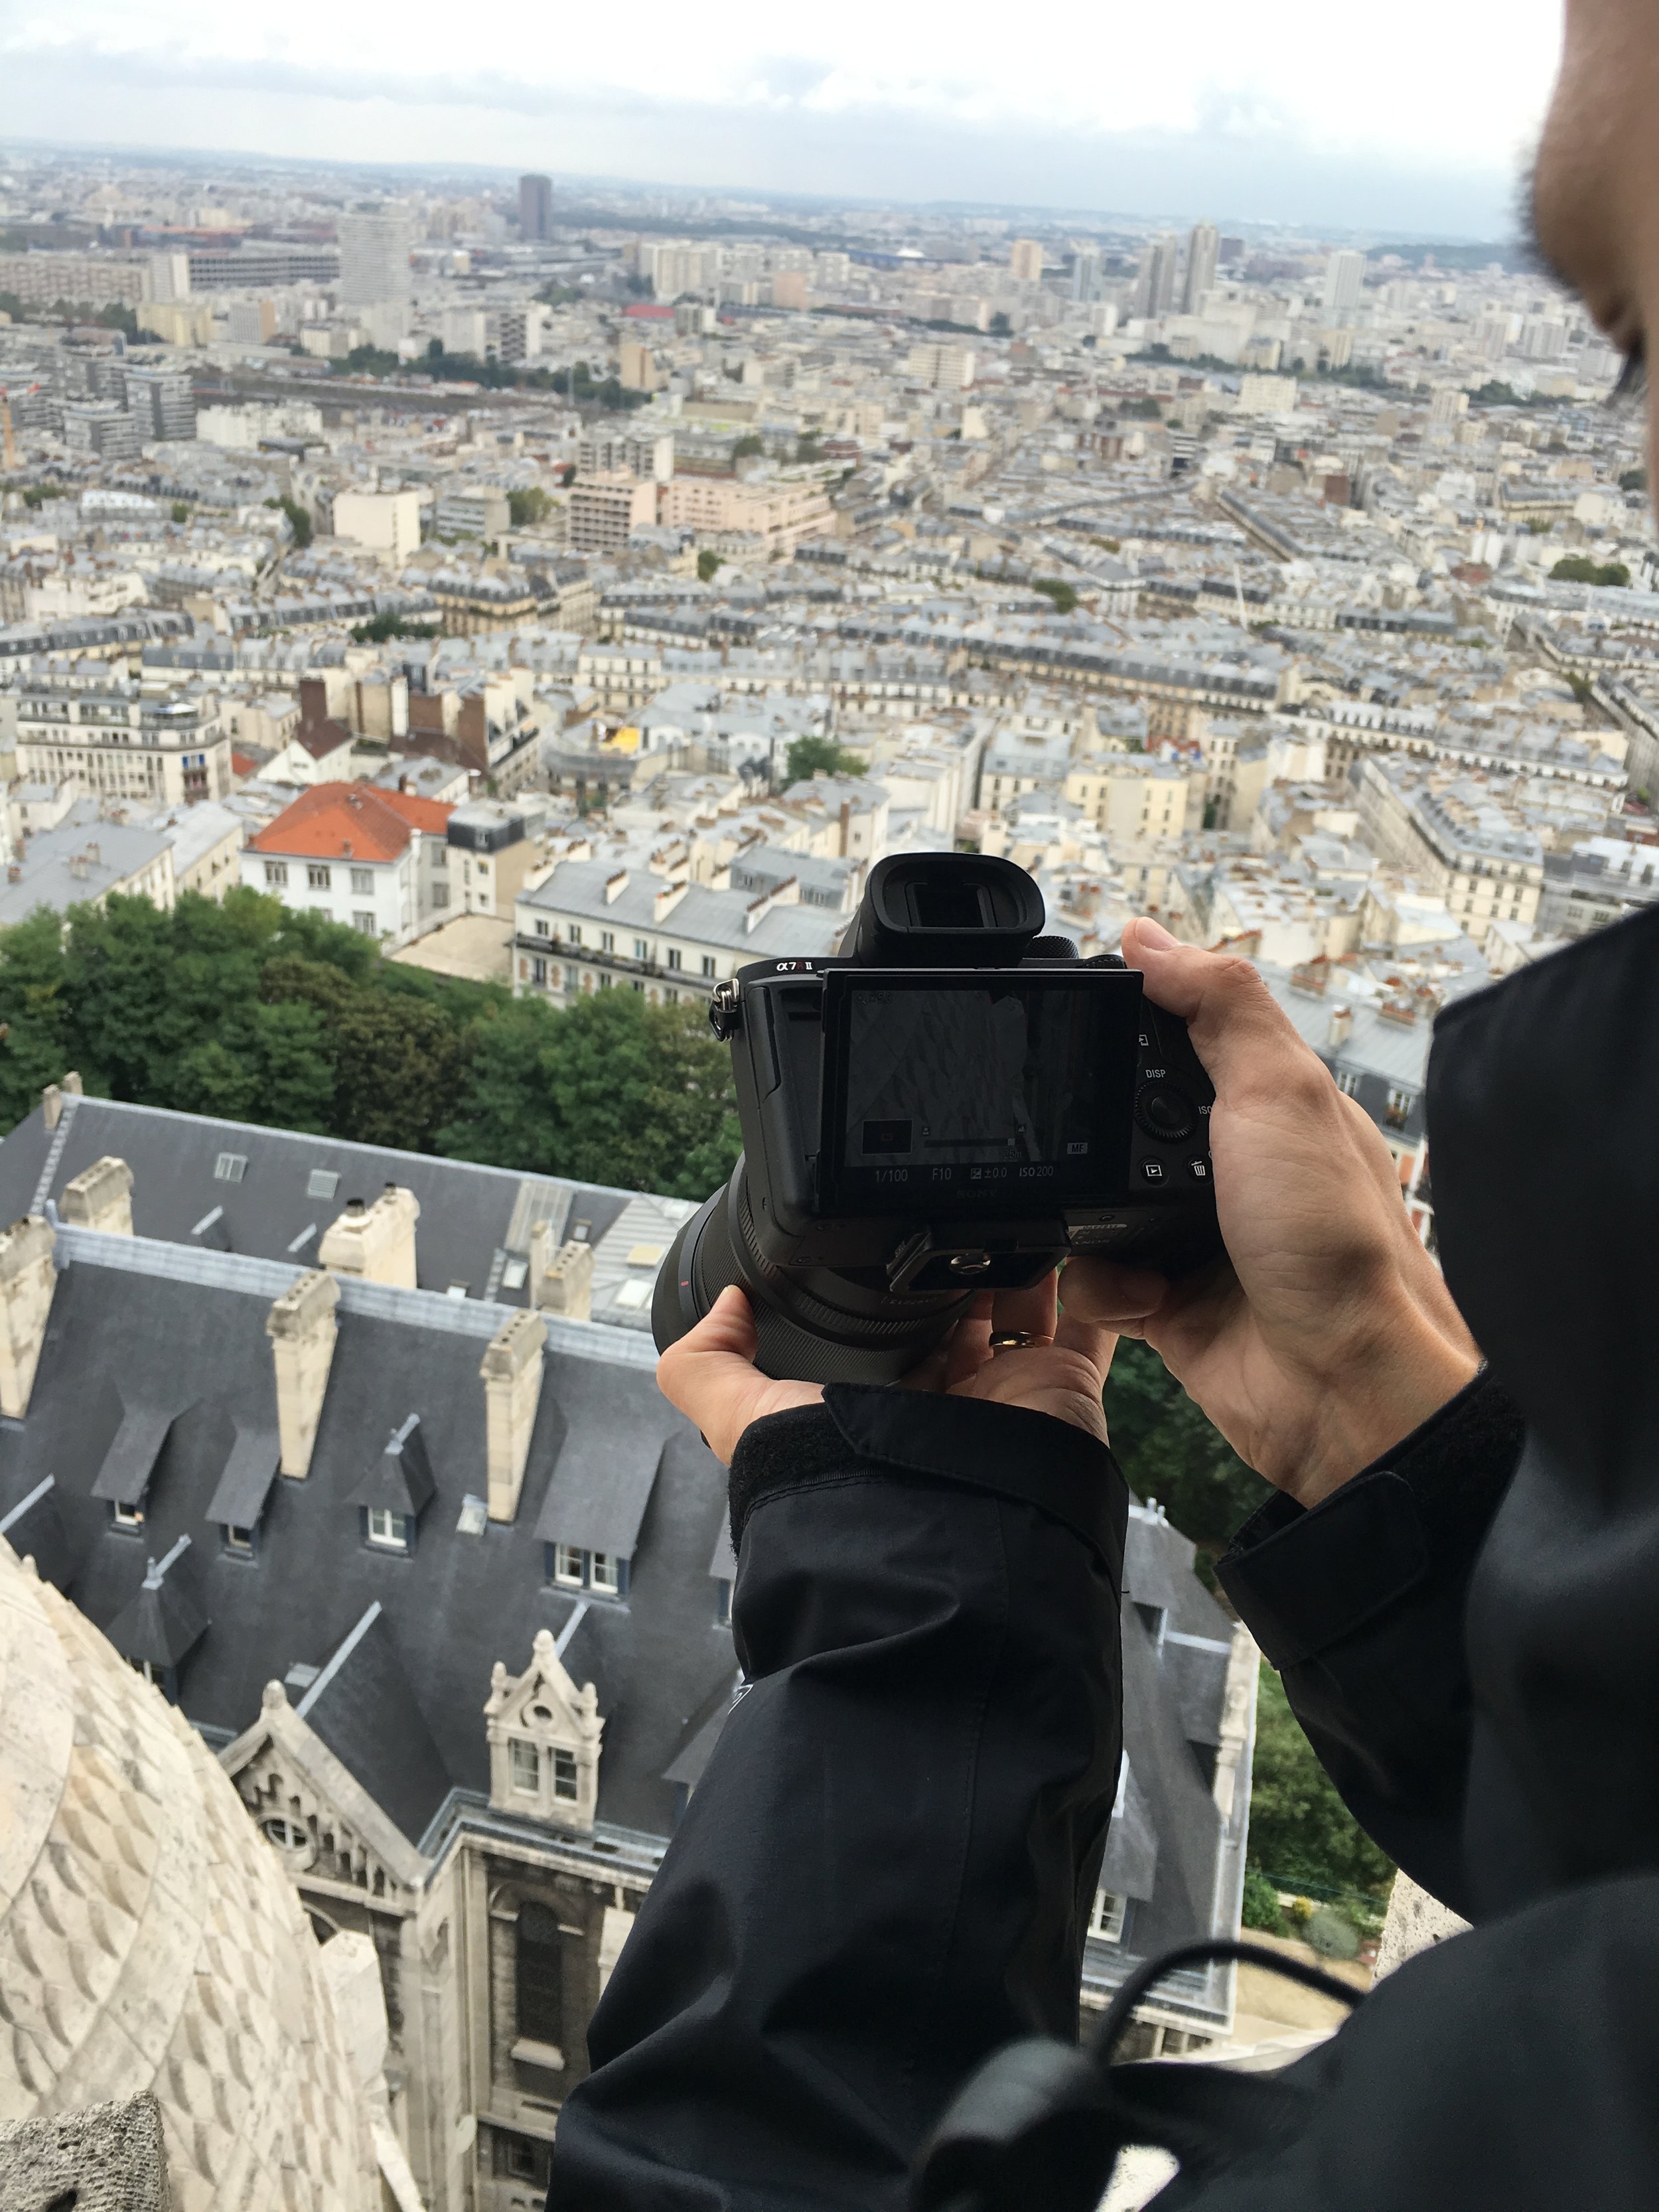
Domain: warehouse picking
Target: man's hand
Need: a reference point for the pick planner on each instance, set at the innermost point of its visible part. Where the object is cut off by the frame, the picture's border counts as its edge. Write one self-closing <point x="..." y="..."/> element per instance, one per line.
<point x="1328" y="1335"/>
<point x="1058" y="1366"/>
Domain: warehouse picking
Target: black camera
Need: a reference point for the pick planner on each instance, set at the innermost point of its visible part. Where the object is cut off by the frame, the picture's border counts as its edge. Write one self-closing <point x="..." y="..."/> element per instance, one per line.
<point x="955" y="1104"/>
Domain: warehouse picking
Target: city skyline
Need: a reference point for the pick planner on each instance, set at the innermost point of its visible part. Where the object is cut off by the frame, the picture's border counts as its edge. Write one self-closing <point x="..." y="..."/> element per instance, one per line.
<point x="1269" y="127"/>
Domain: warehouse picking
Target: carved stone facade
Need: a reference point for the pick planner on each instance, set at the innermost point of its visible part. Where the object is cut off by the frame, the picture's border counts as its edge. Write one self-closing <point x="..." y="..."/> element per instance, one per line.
<point x="494" y="1940"/>
<point x="544" y="1742"/>
<point x="147" y="1941"/>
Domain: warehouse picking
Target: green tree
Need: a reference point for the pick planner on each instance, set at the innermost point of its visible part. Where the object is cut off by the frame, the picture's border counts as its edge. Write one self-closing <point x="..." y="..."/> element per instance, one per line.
<point x="810" y="756"/>
<point x="378" y="628"/>
<point x="1261" y="1907"/>
<point x="37" y="1025"/>
<point x="1300" y="1830"/>
<point x="1063" y="595"/>
<point x="709" y="564"/>
<point x="298" y="519"/>
<point x="267" y="1063"/>
<point x="1634" y="480"/>
<point x="1001" y="326"/>
<point x="398" y="1062"/>
<point x="1579" y="569"/>
<point x="371" y="360"/>
<point x="611" y="1089"/>
<point x="747" y="448"/>
<point x="808" y="448"/>
<point x="526" y="509"/>
<point x="181" y="510"/>
<point x="1168" y="1450"/>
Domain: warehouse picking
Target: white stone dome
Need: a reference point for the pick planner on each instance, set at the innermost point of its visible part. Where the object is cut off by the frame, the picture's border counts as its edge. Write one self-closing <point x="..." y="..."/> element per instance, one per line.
<point x="148" y="1937"/>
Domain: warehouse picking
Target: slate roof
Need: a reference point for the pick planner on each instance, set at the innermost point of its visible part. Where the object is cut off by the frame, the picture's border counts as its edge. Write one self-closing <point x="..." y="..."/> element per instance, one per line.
<point x="83" y="858"/>
<point x="701" y="916"/>
<point x="403" y="1709"/>
<point x="155" y="1385"/>
<point x="474" y="1220"/>
<point x="1170" y="1850"/>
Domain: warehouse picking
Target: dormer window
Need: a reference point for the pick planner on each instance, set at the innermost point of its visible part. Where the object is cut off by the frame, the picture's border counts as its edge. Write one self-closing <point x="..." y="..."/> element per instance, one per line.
<point x="392" y="1495"/>
<point x="238" y="1542"/>
<point x="544" y="1736"/>
<point x="1108" y="1918"/>
<point x="387" y="1530"/>
<point x="569" y="1566"/>
<point x="128" y="1516"/>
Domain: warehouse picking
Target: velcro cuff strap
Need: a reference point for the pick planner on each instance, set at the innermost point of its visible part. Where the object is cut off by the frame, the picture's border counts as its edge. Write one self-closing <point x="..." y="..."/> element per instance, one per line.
<point x="1307" y="1584"/>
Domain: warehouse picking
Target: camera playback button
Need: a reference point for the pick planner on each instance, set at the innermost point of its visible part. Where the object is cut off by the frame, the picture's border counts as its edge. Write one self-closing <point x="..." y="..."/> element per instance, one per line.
<point x="1152" y="1170"/>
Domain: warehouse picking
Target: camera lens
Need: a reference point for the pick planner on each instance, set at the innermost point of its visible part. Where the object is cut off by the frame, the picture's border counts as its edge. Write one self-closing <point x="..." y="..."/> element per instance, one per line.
<point x="813" y="1325"/>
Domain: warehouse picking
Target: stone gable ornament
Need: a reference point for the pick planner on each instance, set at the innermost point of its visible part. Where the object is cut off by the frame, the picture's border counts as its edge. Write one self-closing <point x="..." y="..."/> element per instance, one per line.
<point x="543" y="1740"/>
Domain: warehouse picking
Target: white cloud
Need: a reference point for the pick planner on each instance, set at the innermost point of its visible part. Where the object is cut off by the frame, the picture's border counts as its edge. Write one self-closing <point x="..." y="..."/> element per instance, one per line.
<point x="1422" y="92"/>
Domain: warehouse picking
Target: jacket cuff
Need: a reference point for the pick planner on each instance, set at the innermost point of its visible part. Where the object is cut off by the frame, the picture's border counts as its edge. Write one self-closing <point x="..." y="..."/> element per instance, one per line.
<point x="1007" y="1449"/>
<point x="1305" y="1577"/>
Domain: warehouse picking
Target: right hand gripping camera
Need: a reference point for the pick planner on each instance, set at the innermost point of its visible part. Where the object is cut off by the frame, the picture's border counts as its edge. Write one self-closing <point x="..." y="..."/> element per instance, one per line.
<point x="953" y="1104"/>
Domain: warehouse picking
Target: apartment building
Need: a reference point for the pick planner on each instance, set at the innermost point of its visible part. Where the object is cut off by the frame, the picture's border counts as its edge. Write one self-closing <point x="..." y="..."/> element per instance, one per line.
<point x="162" y="749"/>
<point x="593" y="927"/>
<point x="84" y="861"/>
<point x="1457" y="833"/>
<point x="1134" y="795"/>
<point x="604" y="508"/>
<point x="781" y="515"/>
<point x="354" y="853"/>
<point x="487" y="857"/>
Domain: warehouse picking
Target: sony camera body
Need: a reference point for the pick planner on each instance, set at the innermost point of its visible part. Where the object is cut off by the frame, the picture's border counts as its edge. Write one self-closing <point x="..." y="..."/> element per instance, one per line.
<point x="953" y="1104"/>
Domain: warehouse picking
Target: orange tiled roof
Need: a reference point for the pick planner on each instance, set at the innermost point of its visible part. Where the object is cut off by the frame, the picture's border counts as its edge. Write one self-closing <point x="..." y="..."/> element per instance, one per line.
<point x="430" y="816"/>
<point x="350" y="822"/>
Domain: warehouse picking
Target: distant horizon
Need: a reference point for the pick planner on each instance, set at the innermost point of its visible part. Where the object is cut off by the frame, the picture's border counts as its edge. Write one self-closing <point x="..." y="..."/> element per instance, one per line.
<point x="1377" y="235"/>
<point x="1288" y="116"/>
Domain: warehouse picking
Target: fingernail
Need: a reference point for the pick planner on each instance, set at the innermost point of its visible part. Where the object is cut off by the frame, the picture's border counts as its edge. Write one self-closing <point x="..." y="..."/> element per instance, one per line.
<point x="1153" y="937"/>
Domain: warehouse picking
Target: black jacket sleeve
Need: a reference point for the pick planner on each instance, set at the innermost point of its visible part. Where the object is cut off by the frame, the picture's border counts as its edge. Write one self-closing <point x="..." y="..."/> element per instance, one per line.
<point x="1359" y="1603"/>
<point x="886" y="1870"/>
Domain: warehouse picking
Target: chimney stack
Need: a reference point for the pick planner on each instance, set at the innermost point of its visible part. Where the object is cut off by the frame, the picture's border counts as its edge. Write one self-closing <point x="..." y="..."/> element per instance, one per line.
<point x="302" y="1329"/>
<point x="375" y="1242"/>
<point x="512" y="1372"/>
<point x="52" y="1098"/>
<point x="27" y="1280"/>
<point x="564" y="1284"/>
<point x="1341" y="1025"/>
<point x="100" y="1197"/>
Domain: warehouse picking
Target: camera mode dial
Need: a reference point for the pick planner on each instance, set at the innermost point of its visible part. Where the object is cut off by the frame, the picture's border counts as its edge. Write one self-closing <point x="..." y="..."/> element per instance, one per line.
<point x="1165" y="1113"/>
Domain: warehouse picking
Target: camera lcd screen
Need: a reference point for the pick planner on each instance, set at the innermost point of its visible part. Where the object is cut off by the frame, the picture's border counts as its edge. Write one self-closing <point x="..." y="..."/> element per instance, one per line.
<point x="994" y="1093"/>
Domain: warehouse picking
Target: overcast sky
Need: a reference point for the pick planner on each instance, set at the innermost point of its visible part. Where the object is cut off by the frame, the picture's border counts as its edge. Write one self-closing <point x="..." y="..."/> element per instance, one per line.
<point x="1417" y="115"/>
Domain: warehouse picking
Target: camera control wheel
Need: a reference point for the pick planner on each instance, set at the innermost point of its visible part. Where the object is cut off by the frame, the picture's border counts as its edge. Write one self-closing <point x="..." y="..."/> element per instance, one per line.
<point x="1165" y="1113"/>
